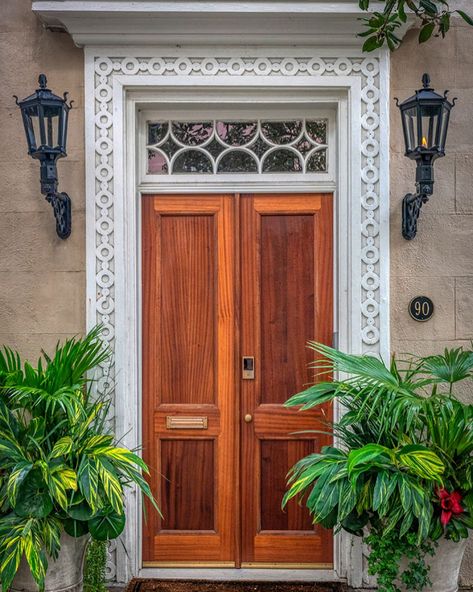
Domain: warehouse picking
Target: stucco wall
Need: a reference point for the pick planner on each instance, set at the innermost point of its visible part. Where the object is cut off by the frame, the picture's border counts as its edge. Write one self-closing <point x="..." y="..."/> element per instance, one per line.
<point x="439" y="262"/>
<point x="42" y="278"/>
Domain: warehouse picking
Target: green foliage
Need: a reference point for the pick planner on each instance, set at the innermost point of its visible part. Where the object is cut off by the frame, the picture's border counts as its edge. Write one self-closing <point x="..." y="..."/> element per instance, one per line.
<point x="386" y="552"/>
<point x="95" y="564"/>
<point x="381" y="28"/>
<point x="60" y="466"/>
<point x="94" y="570"/>
<point x="403" y="441"/>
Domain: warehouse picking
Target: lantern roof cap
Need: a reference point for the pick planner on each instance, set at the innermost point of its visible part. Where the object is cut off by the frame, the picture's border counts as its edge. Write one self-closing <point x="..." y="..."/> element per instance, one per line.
<point x="426" y="94"/>
<point x="43" y="95"/>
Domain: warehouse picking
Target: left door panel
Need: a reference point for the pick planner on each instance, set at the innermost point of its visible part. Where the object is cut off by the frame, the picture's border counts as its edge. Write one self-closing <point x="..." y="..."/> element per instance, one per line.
<point x="189" y="435"/>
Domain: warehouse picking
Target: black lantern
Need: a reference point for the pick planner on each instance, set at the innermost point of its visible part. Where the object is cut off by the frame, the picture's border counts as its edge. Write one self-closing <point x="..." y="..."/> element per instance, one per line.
<point x="45" y="119"/>
<point x="425" y="118"/>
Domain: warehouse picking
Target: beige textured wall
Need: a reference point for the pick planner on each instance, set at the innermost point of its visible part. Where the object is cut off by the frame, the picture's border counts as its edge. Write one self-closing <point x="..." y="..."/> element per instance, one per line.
<point x="439" y="262"/>
<point x="42" y="278"/>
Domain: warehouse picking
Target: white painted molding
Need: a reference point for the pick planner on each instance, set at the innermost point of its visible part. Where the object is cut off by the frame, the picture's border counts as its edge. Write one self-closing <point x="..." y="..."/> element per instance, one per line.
<point x="108" y="22"/>
<point x="112" y="76"/>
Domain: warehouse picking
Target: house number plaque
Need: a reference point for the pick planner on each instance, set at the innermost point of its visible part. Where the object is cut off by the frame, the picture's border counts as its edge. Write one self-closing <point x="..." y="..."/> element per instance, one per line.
<point x="421" y="308"/>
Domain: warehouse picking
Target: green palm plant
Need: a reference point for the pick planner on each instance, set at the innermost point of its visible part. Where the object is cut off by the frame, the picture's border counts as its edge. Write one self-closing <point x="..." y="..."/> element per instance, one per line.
<point x="403" y="464"/>
<point x="61" y="468"/>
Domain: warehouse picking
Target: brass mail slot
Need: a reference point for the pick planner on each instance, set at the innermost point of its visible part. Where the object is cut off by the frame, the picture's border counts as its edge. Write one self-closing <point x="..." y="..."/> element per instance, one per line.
<point x="186" y="423"/>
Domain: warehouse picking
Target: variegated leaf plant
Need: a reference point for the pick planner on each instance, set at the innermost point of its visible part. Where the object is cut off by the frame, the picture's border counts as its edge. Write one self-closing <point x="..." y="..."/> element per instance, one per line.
<point x="60" y="467"/>
<point x="402" y="465"/>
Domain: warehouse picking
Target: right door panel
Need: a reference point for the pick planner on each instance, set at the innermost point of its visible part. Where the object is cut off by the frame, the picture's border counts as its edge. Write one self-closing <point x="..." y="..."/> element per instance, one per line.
<point x="286" y="300"/>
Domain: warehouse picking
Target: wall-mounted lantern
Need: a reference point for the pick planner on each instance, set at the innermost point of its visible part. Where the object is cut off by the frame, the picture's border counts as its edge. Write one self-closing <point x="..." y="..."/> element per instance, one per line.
<point x="425" y="118"/>
<point x="45" y="119"/>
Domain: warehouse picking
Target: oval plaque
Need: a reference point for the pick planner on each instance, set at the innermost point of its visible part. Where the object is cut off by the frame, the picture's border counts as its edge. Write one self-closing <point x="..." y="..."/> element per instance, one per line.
<point x="421" y="308"/>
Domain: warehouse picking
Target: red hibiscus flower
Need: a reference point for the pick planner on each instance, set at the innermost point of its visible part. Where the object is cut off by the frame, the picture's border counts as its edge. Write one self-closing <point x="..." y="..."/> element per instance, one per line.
<point x="450" y="504"/>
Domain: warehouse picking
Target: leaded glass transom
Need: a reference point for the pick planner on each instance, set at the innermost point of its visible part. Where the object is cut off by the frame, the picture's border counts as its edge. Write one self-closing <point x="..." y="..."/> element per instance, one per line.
<point x="239" y="146"/>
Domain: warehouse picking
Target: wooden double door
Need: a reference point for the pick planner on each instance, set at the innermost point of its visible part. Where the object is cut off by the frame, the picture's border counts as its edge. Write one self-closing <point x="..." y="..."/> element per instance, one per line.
<point x="233" y="288"/>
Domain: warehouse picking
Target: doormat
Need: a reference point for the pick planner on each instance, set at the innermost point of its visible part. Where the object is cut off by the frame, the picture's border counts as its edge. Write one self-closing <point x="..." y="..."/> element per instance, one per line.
<point x="155" y="585"/>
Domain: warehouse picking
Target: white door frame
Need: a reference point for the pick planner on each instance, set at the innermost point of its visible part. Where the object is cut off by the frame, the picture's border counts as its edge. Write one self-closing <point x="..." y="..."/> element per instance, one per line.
<point x="116" y="86"/>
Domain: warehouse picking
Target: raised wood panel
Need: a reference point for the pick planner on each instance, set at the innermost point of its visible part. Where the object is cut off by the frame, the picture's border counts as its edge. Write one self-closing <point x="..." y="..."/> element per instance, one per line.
<point x="187" y="484"/>
<point x="188" y="271"/>
<point x="189" y="366"/>
<point x="277" y="455"/>
<point x="287" y="302"/>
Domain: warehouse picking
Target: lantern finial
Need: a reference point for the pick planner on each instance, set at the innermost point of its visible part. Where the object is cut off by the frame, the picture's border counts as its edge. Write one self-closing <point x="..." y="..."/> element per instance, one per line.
<point x="426" y="81"/>
<point x="42" y="81"/>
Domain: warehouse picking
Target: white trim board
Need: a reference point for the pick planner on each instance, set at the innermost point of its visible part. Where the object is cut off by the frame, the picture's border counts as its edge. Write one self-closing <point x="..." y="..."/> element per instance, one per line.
<point x="105" y="22"/>
<point x="118" y="81"/>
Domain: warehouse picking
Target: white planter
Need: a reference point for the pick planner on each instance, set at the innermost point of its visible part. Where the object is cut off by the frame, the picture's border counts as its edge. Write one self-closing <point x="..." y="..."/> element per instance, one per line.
<point x="64" y="575"/>
<point x="444" y="566"/>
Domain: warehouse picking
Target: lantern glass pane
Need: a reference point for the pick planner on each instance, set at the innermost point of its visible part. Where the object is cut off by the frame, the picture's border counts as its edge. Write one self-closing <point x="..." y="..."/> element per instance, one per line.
<point x="62" y="131"/>
<point x="51" y="124"/>
<point x="35" y="127"/>
<point x="52" y="130"/>
<point x="443" y="128"/>
<point x="430" y="115"/>
<point x="410" y="126"/>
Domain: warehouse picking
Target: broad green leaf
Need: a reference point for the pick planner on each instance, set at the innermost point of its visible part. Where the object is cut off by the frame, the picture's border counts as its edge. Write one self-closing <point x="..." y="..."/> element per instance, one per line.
<point x="33" y="498"/>
<point x="76" y="528"/>
<point x="346" y="500"/>
<point x="60" y="480"/>
<point x="62" y="447"/>
<point x="421" y="461"/>
<point x="10" y="562"/>
<point x="88" y="480"/>
<point x="97" y="441"/>
<point x="354" y="523"/>
<point x="51" y="531"/>
<point x="36" y="559"/>
<point x="17" y="476"/>
<point x="369" y="454"/>
<point x="372" y="43"/>
<point x="426" y="32"/>
<point x="120" y="454"/>
<point x="78" y="508"/>
<point x="111" y="484"/>
<point x="106" y="525"/>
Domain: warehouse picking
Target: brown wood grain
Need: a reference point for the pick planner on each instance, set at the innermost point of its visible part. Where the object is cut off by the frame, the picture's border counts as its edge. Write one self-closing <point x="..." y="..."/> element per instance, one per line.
<point x="188" y="488"/>
<point x="226" y="276"/>
<point x="189" y="370"/>
<point x="286" y="263"/>
<point x="188" y="345"/>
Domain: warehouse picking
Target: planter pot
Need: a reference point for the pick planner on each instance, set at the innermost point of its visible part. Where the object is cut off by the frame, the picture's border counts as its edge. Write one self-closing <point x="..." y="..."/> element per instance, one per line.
<point x="444" y="566"/>
<point x="64" y="575"/>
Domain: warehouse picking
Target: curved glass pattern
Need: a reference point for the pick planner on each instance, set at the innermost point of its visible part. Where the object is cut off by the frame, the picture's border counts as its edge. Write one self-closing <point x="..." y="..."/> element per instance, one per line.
<point x="237" y="146"/>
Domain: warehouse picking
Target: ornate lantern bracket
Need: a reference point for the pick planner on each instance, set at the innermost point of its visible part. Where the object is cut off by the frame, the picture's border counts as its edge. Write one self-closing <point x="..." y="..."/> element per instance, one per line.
<point x="45" y="119"/>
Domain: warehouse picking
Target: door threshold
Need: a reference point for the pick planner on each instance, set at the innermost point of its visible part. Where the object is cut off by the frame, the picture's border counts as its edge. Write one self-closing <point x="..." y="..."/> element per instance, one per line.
<point x="244" y="574"/>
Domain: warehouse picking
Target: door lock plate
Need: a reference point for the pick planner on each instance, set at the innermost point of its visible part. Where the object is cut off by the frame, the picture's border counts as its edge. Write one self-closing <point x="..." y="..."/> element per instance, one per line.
<point x="248" y="368"/>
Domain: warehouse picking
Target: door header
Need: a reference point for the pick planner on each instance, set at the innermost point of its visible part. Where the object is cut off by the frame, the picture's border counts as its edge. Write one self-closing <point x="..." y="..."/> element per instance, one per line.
<point x="112" y="22"/>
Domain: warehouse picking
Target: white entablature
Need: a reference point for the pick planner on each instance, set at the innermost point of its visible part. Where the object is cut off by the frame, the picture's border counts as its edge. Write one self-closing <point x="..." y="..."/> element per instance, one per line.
<point x="157" y="22"/>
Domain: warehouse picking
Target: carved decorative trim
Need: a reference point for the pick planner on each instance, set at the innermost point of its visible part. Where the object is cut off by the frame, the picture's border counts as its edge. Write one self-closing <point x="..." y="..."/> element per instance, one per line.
<point x="366" y="68"/>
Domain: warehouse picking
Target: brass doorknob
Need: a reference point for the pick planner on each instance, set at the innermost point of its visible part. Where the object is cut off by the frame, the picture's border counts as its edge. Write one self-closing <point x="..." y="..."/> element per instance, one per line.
<point x="248" y="418"/>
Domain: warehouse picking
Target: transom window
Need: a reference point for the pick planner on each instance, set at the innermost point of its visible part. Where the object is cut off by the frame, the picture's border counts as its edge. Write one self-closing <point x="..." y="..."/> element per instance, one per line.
<point x="260" y="146"/>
